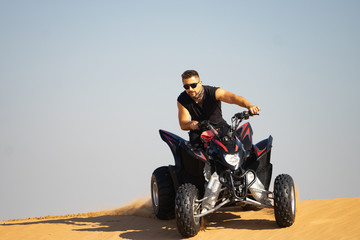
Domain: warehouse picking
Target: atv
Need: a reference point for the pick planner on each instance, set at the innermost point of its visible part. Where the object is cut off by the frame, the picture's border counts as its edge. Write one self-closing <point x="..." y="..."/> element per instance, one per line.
<point x="227" y="169"/>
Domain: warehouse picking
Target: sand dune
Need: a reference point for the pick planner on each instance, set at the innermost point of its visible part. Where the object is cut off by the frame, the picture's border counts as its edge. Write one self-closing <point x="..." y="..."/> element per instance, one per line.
<point x="316" y="219"/>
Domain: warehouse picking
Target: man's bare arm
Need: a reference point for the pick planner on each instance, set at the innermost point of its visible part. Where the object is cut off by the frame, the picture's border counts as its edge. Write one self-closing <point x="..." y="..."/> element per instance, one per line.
<point x="232" y="98"/>
<point x="185" y="120"/>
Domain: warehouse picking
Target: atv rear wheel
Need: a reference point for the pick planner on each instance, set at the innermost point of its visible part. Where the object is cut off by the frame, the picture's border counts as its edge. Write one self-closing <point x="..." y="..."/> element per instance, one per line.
<point x="185" y="209"/>
<point x="284" y="200"/>
<point x="163" y="194"/>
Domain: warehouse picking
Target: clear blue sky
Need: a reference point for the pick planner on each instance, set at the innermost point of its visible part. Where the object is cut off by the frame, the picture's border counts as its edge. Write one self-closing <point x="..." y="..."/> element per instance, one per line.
<point x="85" y="86"/>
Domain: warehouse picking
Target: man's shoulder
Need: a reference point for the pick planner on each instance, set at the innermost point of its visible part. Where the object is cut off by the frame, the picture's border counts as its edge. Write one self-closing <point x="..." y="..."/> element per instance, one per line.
<point x="183" y="98"/>
<point x="182" y="95"/>
<point x="210" y="90"/>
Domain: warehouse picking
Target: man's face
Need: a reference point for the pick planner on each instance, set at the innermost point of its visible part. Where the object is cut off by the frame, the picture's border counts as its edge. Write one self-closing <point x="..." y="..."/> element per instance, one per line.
<point x="192" y="92"/>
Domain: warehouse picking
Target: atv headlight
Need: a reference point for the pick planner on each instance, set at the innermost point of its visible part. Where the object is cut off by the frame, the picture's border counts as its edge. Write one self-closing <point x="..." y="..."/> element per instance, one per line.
<point x="232" y="159"/>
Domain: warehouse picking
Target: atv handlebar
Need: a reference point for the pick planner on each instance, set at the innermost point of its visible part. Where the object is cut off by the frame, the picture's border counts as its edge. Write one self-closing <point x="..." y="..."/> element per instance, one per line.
<point x="204" y="125"/>
<point x="244" y="115"/>
<point x="238" y="117"/>
<point x="235" y="122"/>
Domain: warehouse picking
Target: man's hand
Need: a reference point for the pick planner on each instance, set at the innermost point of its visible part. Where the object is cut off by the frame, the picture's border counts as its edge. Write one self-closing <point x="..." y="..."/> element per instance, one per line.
<point x="254" y="109"/>
<point x="194" y="125"/>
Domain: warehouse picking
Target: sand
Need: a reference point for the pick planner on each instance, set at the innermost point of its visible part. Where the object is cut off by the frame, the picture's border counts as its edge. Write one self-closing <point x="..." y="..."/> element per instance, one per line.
<point x="315" y="219"/>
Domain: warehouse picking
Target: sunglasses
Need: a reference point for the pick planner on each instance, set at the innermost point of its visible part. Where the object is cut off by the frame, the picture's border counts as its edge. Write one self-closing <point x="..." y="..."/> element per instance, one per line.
<point x="192" y="85"/>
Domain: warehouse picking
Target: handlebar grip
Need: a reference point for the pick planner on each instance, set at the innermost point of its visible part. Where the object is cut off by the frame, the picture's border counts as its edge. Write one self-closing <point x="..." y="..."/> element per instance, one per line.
<point x="244" y="115"/>
<point x="204" y="124"/>
<point x="253" y="114"/>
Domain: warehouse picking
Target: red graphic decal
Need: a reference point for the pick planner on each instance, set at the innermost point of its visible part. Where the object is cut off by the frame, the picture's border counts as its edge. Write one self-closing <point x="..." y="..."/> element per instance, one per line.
<point x="201" y="155"/>
<point x="243" y="126"/>
<point x="259" y="152"/>
<point x="246" y="134"/>
<point x="168" y="138"/>
<point x="218" y="142"/>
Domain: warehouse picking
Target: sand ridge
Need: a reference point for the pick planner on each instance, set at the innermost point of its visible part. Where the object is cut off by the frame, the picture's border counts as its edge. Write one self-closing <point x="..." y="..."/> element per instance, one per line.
<point x="315" y="219"/>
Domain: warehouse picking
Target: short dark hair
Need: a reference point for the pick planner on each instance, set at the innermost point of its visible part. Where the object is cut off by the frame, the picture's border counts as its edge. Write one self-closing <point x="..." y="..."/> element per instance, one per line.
<point x="189" y="73"/>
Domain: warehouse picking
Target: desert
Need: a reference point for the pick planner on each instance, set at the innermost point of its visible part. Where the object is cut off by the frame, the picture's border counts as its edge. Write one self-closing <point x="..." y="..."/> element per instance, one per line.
<point x="315" y="219"/>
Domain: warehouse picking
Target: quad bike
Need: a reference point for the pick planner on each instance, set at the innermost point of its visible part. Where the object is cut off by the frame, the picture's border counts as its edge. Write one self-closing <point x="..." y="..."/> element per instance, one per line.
<point x="228" y="169"/>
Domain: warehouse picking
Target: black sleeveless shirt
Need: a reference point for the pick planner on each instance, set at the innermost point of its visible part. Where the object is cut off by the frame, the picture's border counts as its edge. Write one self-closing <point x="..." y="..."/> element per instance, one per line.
<point x="208" y="109"/>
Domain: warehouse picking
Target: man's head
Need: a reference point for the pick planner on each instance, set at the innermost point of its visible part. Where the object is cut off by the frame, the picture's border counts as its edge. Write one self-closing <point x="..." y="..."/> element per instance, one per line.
<point x="192" y="84"/>
<point x="189" y="74"/>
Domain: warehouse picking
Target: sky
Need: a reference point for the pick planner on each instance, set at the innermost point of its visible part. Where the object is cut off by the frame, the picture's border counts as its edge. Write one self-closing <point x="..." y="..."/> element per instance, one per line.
<point x="86" y="85"/>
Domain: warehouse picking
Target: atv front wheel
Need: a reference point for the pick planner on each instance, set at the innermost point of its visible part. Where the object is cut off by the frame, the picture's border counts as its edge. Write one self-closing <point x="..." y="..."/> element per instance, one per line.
<point x="284" y="200"/>
<point x="163" y="194"/>
<point x="185" y="209"/>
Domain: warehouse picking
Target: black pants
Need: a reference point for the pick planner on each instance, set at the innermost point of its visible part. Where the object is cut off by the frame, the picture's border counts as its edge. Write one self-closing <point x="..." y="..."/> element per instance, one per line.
<point x="194" y="137"/>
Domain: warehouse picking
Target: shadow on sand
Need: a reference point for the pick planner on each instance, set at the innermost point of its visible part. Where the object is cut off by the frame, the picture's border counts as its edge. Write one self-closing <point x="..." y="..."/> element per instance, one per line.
<point x="230" y="218"/>
<point x="135" y="227"/>
<point x="130" y="227"/>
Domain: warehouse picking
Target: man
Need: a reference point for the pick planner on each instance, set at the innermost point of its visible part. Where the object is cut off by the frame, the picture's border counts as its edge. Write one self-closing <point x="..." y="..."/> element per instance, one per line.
<point x="201" y="102"/>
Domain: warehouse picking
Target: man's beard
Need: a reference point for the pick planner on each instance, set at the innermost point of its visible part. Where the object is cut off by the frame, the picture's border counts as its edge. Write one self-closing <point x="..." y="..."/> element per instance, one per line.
<point x="199" y="95"/>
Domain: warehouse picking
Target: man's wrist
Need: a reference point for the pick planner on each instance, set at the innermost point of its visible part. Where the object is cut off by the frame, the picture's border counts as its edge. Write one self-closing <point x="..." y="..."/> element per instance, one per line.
<point x="193" y="125"/>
